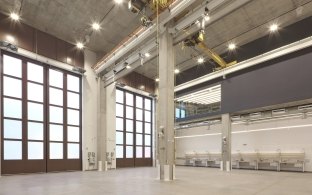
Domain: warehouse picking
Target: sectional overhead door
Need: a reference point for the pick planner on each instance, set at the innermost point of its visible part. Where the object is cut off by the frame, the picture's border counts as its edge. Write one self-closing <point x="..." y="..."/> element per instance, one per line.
<point x="41" y="117"/>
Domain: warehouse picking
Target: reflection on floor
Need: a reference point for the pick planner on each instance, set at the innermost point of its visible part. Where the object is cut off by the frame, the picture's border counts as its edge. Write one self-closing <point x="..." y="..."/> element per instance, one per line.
<point x="141" y="181"/>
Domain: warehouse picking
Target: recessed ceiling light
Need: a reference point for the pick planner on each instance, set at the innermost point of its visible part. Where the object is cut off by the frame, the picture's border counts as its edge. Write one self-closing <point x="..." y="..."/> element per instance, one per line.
<point x="14" y="16"/>
<point x="118" y="1"/>
<point x="200" y="60"/>
<point x="157" y="79"/>
<point x="128" y="67"/>
<point x="273" y="27"/>
<point x="96" y="26"/>
<point x="176" y="71"/>
<point x="147" y="54"/>
<point x="10" y="39"/>
<point x="232" y="46"/>
<point x="80" y="45"/>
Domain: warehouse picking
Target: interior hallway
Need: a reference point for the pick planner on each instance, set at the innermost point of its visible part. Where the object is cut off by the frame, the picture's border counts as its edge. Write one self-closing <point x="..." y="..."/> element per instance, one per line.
<point x="140" y="181"/>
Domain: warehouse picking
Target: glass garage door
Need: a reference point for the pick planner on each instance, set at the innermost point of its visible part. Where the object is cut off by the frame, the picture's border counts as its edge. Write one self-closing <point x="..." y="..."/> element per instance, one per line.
<point x="133" y="129"/>
<point x="28" y="105"/>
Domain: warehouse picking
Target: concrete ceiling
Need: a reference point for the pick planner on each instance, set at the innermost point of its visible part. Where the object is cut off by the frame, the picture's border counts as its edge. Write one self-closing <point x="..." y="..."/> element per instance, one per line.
<point x="71" y="20"/>
<point x="241" y="26"/>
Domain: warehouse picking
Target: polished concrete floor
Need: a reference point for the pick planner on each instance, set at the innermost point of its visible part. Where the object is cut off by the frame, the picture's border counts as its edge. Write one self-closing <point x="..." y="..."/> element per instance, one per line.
<point x="141" y="181"/>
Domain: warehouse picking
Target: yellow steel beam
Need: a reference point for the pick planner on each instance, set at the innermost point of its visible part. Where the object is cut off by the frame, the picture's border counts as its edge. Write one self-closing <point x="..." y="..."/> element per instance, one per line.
<point x="213" y="55"/>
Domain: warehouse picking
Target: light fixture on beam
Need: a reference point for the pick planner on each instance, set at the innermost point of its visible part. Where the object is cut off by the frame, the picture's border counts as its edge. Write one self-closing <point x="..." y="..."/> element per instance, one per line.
<point x="14" y="16"/>
<point x="273" y="27"/>
<point x="118" y="1"/>
<point x="176" y="71"/>
<point x="231" y="46"/>
<point x="80" y="45"/>
<point x="147" y="54"/>
<point x="200" y="60"/>
<point x="206" y="14"/>
<point x="96" y="26"/>
<point x="157" y="79"/>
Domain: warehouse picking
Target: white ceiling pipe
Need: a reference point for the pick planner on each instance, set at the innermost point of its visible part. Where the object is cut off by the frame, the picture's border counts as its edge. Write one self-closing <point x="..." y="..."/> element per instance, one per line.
<point x="304" y="43"/>
<point x="166" y="15"/>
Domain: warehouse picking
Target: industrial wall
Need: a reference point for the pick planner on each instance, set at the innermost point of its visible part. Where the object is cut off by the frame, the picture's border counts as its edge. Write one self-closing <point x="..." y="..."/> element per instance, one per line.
<point x="286" y="135"/>
<point x="278" y="81"/>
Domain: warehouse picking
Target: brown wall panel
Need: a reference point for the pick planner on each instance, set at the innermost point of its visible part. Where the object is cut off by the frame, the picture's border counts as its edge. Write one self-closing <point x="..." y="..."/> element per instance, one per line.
<point x="46" y="45"/>
<point x="40" y="42"/>
<point x="136" y="80"/>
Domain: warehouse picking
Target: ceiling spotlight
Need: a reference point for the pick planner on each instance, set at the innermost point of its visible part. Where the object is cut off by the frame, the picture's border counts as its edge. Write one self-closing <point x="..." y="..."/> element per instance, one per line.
<point x="118" y="1"/>
<point x="273" y="27"/>
<point x="68" y="60"/>
<point x="128" y="67"/>
<point x="157" y="79"/>
<point x="232" y="46"/>
<point x="200" y="60"/>
<point x="176" y="71"/>
<point x="147" y="54"/>
<point x="96" y="26"/>
<point x="14" y="16"/>
<point x="10" y="39"/>
<point x="80" y="45"/>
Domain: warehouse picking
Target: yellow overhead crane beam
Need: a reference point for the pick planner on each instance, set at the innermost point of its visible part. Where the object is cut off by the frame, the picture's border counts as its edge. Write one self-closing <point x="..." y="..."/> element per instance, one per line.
<point x="198" y="40"/>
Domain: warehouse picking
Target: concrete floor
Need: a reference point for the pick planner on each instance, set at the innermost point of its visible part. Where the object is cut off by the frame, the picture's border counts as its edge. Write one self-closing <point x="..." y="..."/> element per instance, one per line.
<point x="141" y="181"/>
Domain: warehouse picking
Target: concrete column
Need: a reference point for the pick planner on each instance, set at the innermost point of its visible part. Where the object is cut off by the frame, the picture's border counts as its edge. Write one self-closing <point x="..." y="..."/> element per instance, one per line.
<point x="165" y="128"/>
<point x="107" y="126"/>
<point x="226" y="143"/>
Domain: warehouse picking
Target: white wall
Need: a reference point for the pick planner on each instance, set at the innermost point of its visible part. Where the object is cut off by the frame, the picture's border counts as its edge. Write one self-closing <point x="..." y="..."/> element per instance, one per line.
<point x="89" y="110"/>
<point x="296" y="136"/>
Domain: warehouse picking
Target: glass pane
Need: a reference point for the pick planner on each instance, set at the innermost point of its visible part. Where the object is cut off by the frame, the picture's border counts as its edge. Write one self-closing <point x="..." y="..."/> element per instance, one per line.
<point x="129" y="151"/>
<point x="147" y="116"/>
<point x="119" y="137"/>
<point x="73" y="151"/>
<point x="129" y="99"/>
<point x="139" y="139"/>
<point x="73" y="100"/>
<point x="56" y="132"/>
<point x="56" y="96"/>
<point x="12" y="66"/>
<point x="139" y="127"/>
<point x="148" y="128"/>
<point x="147" y="140"/>
<point x="147" y="152"/>
<point x="73" y="117"/>
<point x="12" y="87"/>
<point x="139" y="102"/>
<point x="119" y="96"/>
<point x="182" y="113"/>
<point x="119" y="124"/>
<point x="35" y="92"/>
<point x="139" y="114"/>
<point x="119" y="151"/>
<point x="139" y="152"/>
<point x="129" y="112"/>
<point x="119" y="110"/>
<point x="12" y="150"/>
<point x="147" y="104"/>
<point x="35" y="111"/>
<point x="12" y="129"/>
<point x="129" y="138"/>
<point x="56" y="114"/>
<point x="73" y="134"/>
<point x="35" y="131"/>
<point x="35" y="150"/>
<point x="56" y="78"/>
<point x="12" y="108"/>
<point x="129" y="125"/>
<point x="73" y="83"/>
<point x="56" y="151"/>
<point x="34" y="72"/>
<point x="177" y="112"/>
